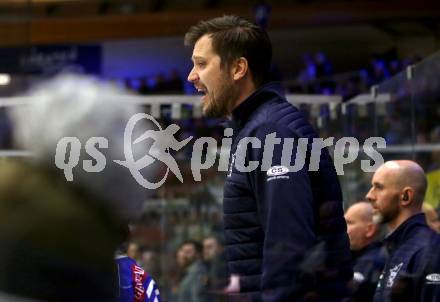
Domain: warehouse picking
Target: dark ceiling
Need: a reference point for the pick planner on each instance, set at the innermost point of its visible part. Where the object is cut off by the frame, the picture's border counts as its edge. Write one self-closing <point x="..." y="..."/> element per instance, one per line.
<point x="54" y="21"/>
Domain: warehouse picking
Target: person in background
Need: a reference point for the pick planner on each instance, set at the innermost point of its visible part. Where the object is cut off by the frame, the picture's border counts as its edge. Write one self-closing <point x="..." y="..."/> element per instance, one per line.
<point x="397" y="193"/>
<point x="215" y="260"/>
<point x="134" y="251"/>
<point x="431" y="217"/>
<point x="193" y="282"/>
<point x="134" y="284"/>
<point x="368" y="255"/>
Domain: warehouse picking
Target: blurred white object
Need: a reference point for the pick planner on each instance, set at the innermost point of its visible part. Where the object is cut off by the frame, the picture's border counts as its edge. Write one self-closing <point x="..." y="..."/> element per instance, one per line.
<point x="5" y="79"/>
<point x="83" y="107"/>
<point x="234" y="284"/>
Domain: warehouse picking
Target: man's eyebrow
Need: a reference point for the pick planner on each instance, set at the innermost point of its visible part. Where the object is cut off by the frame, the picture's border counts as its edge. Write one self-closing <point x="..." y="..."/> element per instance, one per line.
<point x="377" y="184"/>
<point x="197" y="58"/>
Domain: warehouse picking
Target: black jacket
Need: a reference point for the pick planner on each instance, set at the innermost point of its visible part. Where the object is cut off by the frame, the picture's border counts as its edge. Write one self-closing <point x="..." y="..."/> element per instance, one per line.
<point x="368" y="265"/>
<point x="429" y="284"/>
<point x="285" y="231"/>
<point x="409" y="248"/>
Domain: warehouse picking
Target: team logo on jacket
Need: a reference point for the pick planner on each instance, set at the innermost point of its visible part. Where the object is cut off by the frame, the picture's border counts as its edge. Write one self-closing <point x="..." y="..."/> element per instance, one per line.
<point x="393" y="274"/>
<point x="358" y="277"/>
<point x="277" y="172"/>
<point x="433" y="279"/>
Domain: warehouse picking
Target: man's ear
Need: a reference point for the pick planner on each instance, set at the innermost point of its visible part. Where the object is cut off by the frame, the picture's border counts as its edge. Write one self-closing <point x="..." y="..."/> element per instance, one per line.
<point x="371" y="230"/>
<point x="239" y="68"/>
<point x="407" y="196"/>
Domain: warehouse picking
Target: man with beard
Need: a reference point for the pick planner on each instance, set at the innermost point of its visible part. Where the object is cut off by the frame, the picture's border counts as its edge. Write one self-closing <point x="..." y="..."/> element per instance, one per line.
<point x="397" y="193"/>
<point x="284" y="227"/>
<point x="192" y="285"/>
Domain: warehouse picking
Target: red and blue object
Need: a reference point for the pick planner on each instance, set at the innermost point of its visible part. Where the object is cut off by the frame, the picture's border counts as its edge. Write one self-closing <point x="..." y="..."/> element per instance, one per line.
<point x="134" y="284"/>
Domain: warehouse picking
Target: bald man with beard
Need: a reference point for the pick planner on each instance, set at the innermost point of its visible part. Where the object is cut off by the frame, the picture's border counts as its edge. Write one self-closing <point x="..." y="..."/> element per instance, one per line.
<point x="368" y="254"/>
<point x="396" y="194"/>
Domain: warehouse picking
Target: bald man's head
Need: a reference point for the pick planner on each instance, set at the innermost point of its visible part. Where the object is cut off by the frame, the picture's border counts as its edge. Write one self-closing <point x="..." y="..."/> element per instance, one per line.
<point x="361" y="209"/>
<point x="397" y="192"/>
<point x="408" y="174"/>
<point x="360" y="227"/>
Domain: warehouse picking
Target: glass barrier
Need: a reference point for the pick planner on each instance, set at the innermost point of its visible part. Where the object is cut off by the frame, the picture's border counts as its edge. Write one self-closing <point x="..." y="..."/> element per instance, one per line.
<point x="404" y="111"/>
<point x="424" y="84"/>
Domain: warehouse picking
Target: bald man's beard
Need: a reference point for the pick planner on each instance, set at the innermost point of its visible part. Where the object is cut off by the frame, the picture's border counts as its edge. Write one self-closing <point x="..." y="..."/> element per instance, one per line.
<point x="386" y="216"/>
<point x="377" y="218"/>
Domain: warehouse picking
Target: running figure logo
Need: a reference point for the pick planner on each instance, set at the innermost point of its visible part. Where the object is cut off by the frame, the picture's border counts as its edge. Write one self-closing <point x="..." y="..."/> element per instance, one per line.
<point x="164" y="140"/>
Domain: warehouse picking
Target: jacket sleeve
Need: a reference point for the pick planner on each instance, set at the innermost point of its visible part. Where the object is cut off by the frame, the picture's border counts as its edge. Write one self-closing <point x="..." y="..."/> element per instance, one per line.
<point x="422" y="282"/>
<point x="286" y="208"/>
<point x="151" y="290"/>
<point x="145" y="288"/>
<point x="430" y="283"/>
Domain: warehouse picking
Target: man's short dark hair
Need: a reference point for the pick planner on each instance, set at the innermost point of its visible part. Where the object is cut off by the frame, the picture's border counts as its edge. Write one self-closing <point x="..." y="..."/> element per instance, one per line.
<point x="196" y="244"/>
<point x="220" y="239"/>
<point x="234" y="37"/>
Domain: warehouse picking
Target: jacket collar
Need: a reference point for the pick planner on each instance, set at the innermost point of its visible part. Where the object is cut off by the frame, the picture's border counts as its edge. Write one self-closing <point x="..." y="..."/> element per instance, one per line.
<point x="404" y="231"/>
<point x="372" y="246"/>
<point x="242" y="112"/>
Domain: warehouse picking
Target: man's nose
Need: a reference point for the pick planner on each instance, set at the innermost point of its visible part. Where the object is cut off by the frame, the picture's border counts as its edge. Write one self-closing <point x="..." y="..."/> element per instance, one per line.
<point x="192" y="76"/>
<point x="369" y="196"/>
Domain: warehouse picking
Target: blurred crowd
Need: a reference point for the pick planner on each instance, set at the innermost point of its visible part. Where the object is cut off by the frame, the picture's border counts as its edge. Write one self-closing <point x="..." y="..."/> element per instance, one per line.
<point x="319" y="77"/>
<point x="196" y="270"/>
<point x="157" y="84"/>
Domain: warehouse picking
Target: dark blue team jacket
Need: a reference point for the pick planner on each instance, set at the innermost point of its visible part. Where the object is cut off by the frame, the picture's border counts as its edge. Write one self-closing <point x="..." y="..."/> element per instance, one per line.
<point x="409" y="250"/>
<point x="285" y="230"/>
<point x="368" y="264"/>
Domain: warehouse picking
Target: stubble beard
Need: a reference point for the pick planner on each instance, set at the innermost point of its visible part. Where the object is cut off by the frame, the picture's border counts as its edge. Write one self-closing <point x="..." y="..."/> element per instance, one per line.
<point x="220" y="105"/>
<point x="388" y="216"/>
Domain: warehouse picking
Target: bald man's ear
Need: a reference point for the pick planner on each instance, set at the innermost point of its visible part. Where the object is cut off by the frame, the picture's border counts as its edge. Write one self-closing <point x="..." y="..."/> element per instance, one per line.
<point x="407" y="196"/>
<point x="371" y="230"/>
<point x="240" y="68"/>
